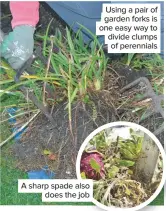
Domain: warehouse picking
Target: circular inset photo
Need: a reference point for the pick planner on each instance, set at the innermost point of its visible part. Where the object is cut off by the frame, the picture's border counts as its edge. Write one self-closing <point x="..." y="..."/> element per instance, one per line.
<point x="126" y="163"/>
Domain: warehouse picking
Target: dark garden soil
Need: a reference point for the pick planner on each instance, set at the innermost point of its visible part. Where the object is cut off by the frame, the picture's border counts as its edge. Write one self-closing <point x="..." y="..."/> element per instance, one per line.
<point x="59" y="140"/>
<point x="108" y="106"/>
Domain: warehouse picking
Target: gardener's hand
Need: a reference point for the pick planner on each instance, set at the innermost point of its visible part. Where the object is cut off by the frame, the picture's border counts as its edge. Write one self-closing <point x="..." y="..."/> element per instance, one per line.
<point x="17" y="46"/>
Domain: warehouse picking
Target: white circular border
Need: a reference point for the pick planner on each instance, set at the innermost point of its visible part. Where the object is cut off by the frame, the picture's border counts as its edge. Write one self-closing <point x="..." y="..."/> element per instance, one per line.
<point x="151" y="135"/>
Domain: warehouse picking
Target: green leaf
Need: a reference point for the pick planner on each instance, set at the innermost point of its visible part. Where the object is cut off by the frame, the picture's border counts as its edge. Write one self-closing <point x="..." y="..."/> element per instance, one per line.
<point x="46" y="38"/>
<point x="126" y="163"/>
<point x="8" y="69"/>
<point x="127" y="150"/>
<point x="94" y="165"/>
<point x="86" y="99"/>
<point x="58" y="34"/>
<point x="131" y="149"/>
<point x="113" y="171"/>
<point x="6" y="81"/>
<point x="99" y="141"/>
<point x="71" y="45"/>
<point x="129" y="58"/>
<point x="88" y="31"/>
<point x="46" y="152"/>
<point x="83" y="176"/>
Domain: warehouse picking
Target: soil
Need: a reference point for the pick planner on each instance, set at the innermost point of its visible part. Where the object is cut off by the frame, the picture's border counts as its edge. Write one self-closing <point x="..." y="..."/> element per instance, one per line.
<point x="40" y="135"/>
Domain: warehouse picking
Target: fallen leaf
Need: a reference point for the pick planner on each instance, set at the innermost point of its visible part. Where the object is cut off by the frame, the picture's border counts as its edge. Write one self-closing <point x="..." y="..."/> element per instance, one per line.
<point x="145" y="102"/>
<point x="52" y="156"/>
<point x="46" y="152"/>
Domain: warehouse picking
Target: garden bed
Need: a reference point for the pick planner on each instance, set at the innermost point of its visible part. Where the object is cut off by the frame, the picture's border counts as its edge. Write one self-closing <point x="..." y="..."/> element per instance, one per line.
<point x="40" y="136"/>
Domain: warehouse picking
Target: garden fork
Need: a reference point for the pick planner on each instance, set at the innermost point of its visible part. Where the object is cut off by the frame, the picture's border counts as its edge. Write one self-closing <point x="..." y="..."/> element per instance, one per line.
<point x="30" y="93"/>
<point x="149" y="93"/>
